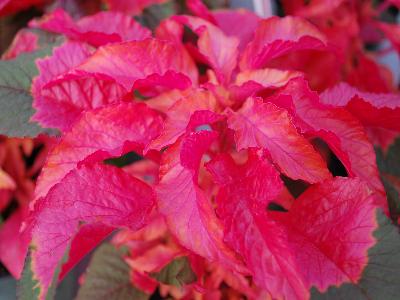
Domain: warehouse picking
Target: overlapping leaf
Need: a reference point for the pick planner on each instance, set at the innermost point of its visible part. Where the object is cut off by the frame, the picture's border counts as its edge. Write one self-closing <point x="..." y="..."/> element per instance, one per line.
<point x="186" y="206"/>
<point x="142" y="64"/>
<point x="108" y="276"/>
<point x="321" y="241"/>
<point x="372" y="109"/>
<point x="338" y="128"/>
<point x="117" y="199"/>
<point x="97" y="30"/>
<point x="192" y="109"/>
<point x="219" y="50"/>
<point x="264" y="125"/>
<point x="380" y="277"/>
<point x="217" y="99"/>
<point x="100" y="134"/>
<point x="275" y="37"/>
<point x="60" y="97"/>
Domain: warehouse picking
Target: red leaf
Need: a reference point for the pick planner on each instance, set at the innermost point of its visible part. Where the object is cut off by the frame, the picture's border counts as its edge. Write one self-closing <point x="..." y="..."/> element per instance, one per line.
<point x="99" y="134"/>
<point x="382" y="137"/>
<point x="275" y="37"/>
<point x="102" y="194"/>
<point x="198" y="8"/>
<point x="264" y="125"/>
<point x="13" y="6"/>
<point x="310" y="9"/>
<point x="372" y="109"/>
<point x="366" y="74"/>
<point x="392" y="32"/>
<point x="87" y="238"/>
<point x="132" y="61"/>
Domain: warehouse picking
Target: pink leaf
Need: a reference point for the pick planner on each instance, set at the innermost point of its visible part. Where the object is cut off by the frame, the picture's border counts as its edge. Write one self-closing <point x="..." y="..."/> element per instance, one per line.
<point x="60" y="102"/>
<point x="251" y="82"/>
<point x="60" y="95"/>
<point x="322" y="240"/>
<point x="179" y="116"/>
<point x="372" y="109"/>
<point x="23" y="42"/>
<point x="264" y="125"/>
<point x="6" y="181"/>
<point x="132" y="61"/>
<point x="275" y="37"/>
<point x="99" y="29"/>
<point x="101" y="194"/>
<point x="99" y="134"/>
<point x="249" y="230"/>
<point x="186" y="207"/>
<point x="238" y="23"/>
<point x="267" y="77"/>
<point x="330" y="229"/>
<point x="170" y="30"/>
<point x="12" y="245"/>
<point x="219" y="50"/>
<point x="338" y="128"/>
<point x="64" y="58"/>
<point x="256" y="175"/>
<point x="105" y="27"/>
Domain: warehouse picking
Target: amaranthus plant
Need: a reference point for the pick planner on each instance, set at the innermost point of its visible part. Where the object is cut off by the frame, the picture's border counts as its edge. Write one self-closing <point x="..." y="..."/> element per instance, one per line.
<point x="215" y="155"/>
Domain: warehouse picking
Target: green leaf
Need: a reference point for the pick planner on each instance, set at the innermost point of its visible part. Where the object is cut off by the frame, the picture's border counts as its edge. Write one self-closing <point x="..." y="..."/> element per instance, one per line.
<point x="108" y="277"/>
<point x="177" y="273"/>
<point x="381" y="278"/>
<point x="51" y="292"/>
<point x="389" y="166"/>
<point x="389" y="162"/>
<point x="154" y="14"/>
<point x="15" y="94"/>
<point x="393" y="197"/>
<point x="28" y="287"/>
